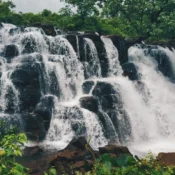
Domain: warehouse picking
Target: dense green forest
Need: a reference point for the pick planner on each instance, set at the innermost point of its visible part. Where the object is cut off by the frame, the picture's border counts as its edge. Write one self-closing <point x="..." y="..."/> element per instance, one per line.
<point x="153" y="19"/>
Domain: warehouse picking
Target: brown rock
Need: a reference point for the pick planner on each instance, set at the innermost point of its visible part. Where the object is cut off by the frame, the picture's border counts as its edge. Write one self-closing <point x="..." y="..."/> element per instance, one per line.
<point x="79" y="164"/>
<point x="166" y="158"/>
<point x="114" y="149"/>
<point x="31" y="151"/>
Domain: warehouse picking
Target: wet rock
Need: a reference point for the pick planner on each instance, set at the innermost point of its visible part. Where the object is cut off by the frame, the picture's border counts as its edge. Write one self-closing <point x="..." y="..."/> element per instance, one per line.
<point x="75" y="157"/>
<point x="87" y="86"/>
<point x="103" y="88"/>
<point x="122" y="48"/>
<point x="44" y="115"/>
<point x="164" y="63"/>
<point x="130" y="70"/>
<point x="49" y="29"/>
<point x="10" y="52"/>
<point x="109" y="102"/>
<point x="89" y="103"/>
<point x="16" y="30"/>
<point x="74" y="116"/>
<point x="33" y="127"/>
<point x="108" y="127"/>
<point x="167" y="159"/>
<point x="121" y="123"/>
<point x="77" y="144"/>
<point x="11" y="101"/>
<point x="32" y="151"/>
<point x="114" y="149"/>
<point x="26" y="79"/>
<point x="73" y="39"/>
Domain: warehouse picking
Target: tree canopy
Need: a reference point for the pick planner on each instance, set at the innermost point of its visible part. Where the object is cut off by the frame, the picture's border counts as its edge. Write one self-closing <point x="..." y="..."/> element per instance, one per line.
<point x="154" y="19"/>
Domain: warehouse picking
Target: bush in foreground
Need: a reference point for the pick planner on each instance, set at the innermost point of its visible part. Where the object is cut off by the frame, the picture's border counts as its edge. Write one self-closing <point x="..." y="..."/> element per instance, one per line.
<point x="108" y="164"/>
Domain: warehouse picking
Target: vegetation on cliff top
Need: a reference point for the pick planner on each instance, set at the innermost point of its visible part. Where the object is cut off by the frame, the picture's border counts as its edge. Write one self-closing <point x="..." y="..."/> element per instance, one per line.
<point x="153" y="19"/>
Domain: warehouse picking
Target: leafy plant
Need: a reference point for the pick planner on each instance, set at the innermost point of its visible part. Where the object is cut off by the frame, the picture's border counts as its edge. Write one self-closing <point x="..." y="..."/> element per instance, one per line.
<point x="52" y="171"/>
<point x="10" y="143"/>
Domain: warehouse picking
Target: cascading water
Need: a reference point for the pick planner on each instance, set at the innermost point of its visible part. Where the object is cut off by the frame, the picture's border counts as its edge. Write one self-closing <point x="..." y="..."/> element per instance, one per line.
<point x="56" y="95"/>
<point x="92" y="63"/>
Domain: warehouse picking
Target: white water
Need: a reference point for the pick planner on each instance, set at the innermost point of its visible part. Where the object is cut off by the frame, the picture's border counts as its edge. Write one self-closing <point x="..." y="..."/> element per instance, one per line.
<point x="150" y="108"/>
<point x="152" y="120"/>
<point x="112" y="55"/>
<point x="92" y="63"/>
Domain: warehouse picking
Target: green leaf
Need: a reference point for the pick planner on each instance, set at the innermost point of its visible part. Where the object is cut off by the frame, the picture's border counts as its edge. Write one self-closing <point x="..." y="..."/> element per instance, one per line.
<point x="53" y="171"/>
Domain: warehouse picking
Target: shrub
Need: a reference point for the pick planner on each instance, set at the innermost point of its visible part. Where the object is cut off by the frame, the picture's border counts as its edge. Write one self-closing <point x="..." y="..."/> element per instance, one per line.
<point x="10" y="143"/>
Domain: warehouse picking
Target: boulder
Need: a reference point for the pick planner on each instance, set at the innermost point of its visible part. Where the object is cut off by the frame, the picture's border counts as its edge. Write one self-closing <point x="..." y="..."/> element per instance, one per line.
<point x="167" y="159"/>
<point x="130" y="70"/>
<point x="44" y="115"/>
<point x="87" y="86"/>
<point x="114" y="149"/>
<point x="31" y="151"/>
<point x="109" y="102"/>
<point x="103" y="88"/>
<point x="78" y="144"/>
<point x="26" y="79"/>
<point x="49" y="29"/>
<point x="43" y="111"/>
<point x="33" y="127"/>
<point x="75" y="157"/>
<point x="11" y="51"/>
<point x="89" y="103"/>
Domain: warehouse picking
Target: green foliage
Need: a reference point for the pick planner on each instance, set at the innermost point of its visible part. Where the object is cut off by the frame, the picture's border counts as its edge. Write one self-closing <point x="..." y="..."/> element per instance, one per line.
<point x="10" y="143"/>
<point x="127" y="165"/>
<point x="52" y="171"/>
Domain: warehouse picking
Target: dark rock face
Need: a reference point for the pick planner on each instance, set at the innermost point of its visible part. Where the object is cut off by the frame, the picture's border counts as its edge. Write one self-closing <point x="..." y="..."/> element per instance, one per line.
<point x="164" y="63"/>
<point x="120" y="44"/>
<point x="130" y="70"/>
<point x="109" y="101"/>
<point x="33" y="127"/>
<point x="10" y="52"/>
<point x="78" y="40"/>
<point x="87" y="86"/>
<point x="121" y="122"/>
<point x="32" y="151"/>
<point x="113" y="149"/>
<point x="26" y="79"/>
<point x="89" y="103"/>
<point x="47" y="28"/>
<point x="103" y="88"/>
<point x="38" y="122"/>
<point x="16" y="30"/>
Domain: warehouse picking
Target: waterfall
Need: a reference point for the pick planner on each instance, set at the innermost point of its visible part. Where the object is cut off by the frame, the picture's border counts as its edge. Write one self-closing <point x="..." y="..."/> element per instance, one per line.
<point x="155" y="115"/>
<point x="112" y="55"/>
<point x="56" y="94"/>
<point x="92" y="63"/>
